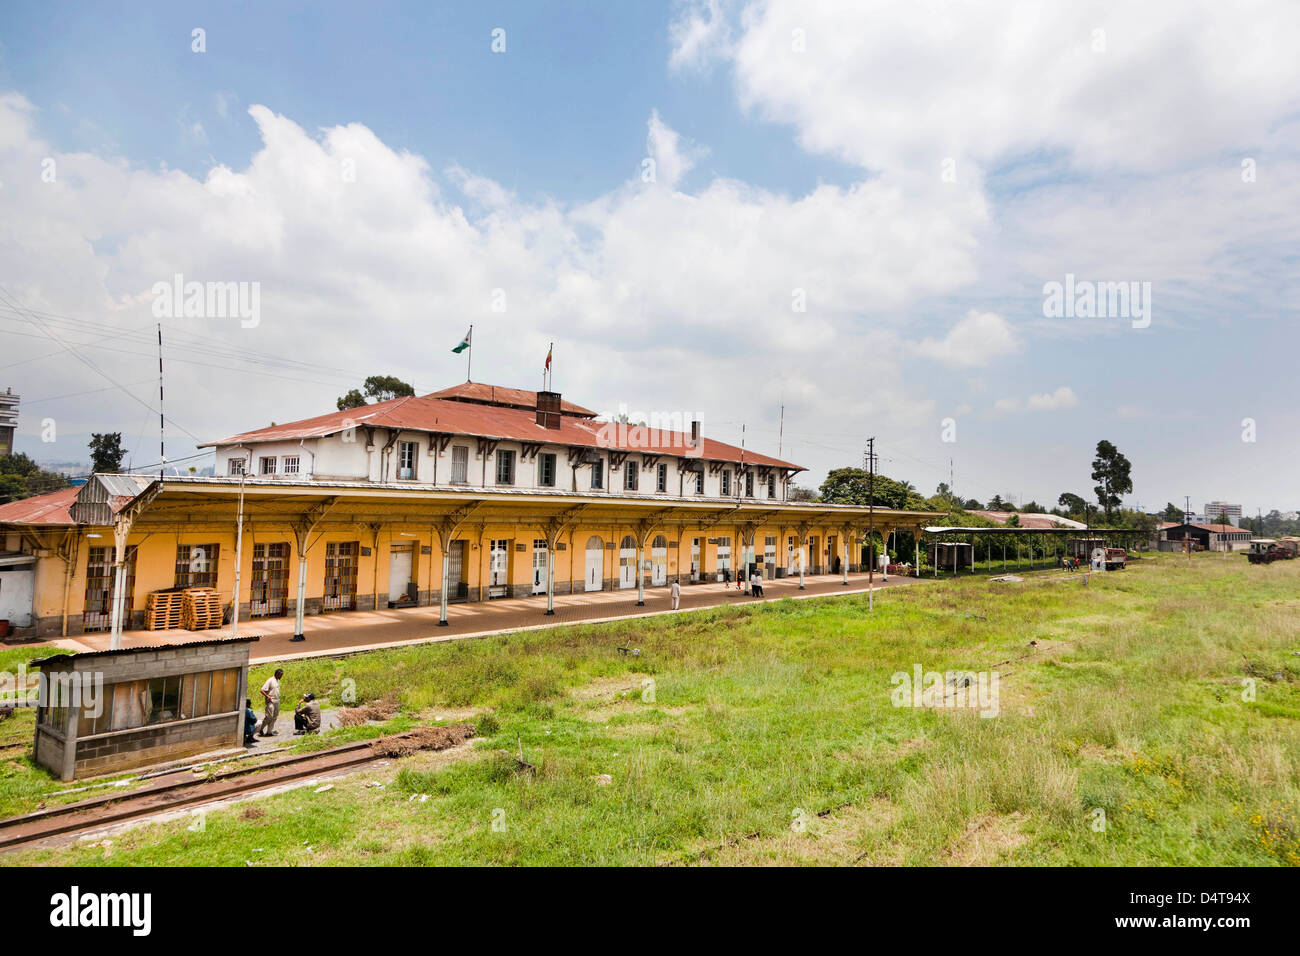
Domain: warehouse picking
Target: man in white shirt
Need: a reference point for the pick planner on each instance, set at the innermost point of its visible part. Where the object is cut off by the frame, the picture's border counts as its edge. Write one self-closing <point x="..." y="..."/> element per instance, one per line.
<point x="675" y="595"/>
<point x="271" y="695"/>
<point x="884" y="564"/>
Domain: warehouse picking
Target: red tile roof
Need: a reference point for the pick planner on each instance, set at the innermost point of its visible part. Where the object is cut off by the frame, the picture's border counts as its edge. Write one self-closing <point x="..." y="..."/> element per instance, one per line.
<point x="49" y="509"/>
<point x="428" y="414"/>
<point x="500" y="395"/>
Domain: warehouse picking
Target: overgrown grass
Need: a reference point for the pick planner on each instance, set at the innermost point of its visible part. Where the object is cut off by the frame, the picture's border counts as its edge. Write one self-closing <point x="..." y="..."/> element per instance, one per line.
<point x="1155" y="722"/>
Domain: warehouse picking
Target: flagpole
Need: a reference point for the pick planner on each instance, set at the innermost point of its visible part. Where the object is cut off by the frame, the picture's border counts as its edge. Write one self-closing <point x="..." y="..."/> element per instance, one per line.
<point x="469" y="356"/>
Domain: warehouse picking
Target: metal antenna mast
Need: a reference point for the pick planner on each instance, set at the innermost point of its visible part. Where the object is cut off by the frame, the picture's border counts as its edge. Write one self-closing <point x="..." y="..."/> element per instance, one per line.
<point x="871" y="522"/>
<point x="162" y="432"/>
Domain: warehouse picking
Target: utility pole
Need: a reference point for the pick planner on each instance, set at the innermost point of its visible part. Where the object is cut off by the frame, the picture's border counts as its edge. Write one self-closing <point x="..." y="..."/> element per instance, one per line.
<point x="871" y="522"/>
<point x="1187" y="522"/>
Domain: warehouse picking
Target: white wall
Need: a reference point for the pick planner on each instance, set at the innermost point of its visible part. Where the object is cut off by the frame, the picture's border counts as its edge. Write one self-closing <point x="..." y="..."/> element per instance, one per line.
<point x="337" y="457"/>
<point x="16" y="590"/>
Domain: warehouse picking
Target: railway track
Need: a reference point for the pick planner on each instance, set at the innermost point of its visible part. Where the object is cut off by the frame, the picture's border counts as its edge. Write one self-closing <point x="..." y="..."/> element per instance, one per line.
<point x="164" y="796"/>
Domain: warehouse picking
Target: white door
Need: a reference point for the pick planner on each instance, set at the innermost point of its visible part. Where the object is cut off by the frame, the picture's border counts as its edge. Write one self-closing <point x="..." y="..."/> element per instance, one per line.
<point x="595" y="564"/>
<point x="659" y="561"/>
<point x="627" y="563"/>
<point x="399" y="572"/>
<point x="724" y="558"/>
<point x="769" y="558"/>
<point x="499" y="569"/>
<point x="539" y="567"/>
<point x="695" y="559"/>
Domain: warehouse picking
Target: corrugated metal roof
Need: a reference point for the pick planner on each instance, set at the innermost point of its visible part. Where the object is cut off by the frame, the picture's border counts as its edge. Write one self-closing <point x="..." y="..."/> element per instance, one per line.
<point x="429" y="414"/>
<point x="49" y="509"/>
<point x="124" y="486"/>
<point x="82" y="655"/>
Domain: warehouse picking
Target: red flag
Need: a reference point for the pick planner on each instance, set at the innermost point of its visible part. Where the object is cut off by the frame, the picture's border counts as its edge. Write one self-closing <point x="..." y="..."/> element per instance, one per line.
<point x="547" y="367"/>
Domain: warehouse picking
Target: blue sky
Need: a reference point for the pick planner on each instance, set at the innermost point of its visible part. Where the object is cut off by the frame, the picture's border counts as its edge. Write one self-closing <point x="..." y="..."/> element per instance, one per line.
<point x="562" y="114"/>
<point x="800" y="151"/>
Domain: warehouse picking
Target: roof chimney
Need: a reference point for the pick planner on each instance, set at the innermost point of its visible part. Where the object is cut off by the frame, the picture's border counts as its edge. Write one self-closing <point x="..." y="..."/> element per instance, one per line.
<point x="548" y="409"/>
<point x="695" y="432"/>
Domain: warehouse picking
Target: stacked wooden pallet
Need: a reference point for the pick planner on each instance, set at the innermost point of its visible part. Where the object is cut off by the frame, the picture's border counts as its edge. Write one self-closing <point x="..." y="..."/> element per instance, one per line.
<point x="163" y="610"/>
<point x="200" y="609"/>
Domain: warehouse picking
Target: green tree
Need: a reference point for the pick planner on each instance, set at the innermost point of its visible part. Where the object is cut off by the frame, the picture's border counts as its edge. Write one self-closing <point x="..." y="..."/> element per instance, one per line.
<point x="106" y="453"/>
<point x="1072" y="503"/>
<point x="376" y="388"/>
<point x="1172" y="513"/>
<point x="20" y="477"/>
<point x="849" y="486"/>
<point x="803" y="494"/>
<point x="353" y="399"/>
<point x="1111" y="470"/>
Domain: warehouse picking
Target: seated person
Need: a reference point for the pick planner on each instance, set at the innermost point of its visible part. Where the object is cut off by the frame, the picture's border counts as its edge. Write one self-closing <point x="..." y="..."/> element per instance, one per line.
<point x="250" y="723"/>
<point x="306" y="716"/>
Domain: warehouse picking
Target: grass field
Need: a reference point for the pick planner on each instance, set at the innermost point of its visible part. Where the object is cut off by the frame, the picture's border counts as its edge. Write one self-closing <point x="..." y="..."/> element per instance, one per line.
<point x="1156" y="721"/>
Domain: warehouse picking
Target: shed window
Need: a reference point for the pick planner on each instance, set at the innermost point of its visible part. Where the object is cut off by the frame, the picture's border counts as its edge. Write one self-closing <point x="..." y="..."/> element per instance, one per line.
<point x="631" y="476"/>
<point x="661" y="479"/>
<point x="546" y="470"/>
<point x="160" y="700"/>
<point x="266" y="465"/>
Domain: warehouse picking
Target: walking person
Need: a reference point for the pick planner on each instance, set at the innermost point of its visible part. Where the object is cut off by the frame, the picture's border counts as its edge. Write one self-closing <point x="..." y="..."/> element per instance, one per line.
<point x="675" y="594"/>
<point x="271" y="695"/>
<point x="756" y="584"/>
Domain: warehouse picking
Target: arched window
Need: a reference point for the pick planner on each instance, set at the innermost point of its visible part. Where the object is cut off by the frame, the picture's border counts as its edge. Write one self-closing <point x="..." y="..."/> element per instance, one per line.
<point x="629" y="543"/>
<point x="660" y="542"/>
<point x="595" y="544"/>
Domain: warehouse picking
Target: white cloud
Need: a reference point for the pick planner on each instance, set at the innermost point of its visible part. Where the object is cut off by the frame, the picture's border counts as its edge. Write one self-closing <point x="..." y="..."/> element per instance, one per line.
<point x="355" y="242"/>
<point x="896" y="86"/>
<point x="976" y="339"/>
<point x="1063" y="397"/>
<point x="699" y="33"/>
<point x="673" y="157"/>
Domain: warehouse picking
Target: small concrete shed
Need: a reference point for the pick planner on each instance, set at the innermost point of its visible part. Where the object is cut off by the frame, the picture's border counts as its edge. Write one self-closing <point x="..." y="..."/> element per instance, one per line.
<point x="108" y="711"/>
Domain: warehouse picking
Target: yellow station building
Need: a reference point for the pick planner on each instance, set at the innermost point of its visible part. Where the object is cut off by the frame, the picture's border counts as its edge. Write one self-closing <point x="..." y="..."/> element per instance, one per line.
<point x="468" y="494"/>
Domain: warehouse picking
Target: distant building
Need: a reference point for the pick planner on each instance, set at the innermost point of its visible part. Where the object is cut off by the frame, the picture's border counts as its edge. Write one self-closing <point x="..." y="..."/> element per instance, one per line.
<point x="1214" y="510"/>
<point x="8" y="421"/>
<point x="1031" y="520"/>
<point x="1205" y="537"/>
